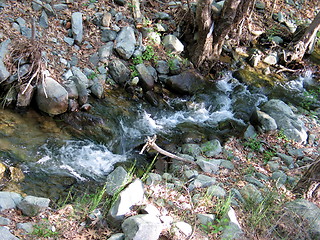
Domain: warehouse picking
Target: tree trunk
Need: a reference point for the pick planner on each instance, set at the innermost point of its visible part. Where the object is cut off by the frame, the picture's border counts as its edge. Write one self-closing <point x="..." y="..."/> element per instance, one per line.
<point x="309" y="184"/>
<point x="298" y="49"/>
<point x="211" y="35"/>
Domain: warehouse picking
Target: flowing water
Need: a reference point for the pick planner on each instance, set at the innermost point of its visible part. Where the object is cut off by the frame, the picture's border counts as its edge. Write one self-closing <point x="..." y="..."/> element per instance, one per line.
<point x="54" y="158"/>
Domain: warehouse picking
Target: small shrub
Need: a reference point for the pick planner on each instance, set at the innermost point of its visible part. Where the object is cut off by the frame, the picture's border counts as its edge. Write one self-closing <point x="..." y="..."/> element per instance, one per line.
<point x="254" y="144"/>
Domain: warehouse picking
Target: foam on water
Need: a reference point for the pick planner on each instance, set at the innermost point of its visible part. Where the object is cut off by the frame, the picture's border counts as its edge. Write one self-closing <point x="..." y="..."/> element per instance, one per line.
<point x="81" y="159"/>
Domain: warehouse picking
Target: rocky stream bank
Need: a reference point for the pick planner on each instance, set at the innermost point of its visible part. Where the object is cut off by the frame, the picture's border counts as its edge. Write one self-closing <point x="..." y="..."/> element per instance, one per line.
<point x="249" y="136"/>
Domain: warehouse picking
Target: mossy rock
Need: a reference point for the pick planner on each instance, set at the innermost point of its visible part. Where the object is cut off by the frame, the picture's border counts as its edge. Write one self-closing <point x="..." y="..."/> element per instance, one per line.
<point x="256" y="78"/>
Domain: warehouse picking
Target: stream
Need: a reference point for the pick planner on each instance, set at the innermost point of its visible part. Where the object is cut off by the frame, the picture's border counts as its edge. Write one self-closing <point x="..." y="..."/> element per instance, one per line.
<point x="55" y="158"/>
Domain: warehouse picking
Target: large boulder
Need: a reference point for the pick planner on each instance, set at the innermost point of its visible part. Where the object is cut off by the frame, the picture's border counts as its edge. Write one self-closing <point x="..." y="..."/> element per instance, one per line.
<point x="132" y="195"/>
<point x="125" y="42"/>
<point x="146" y="79"/>
<point x="172" y="44"/>
<point x="9" y="200"/>
<point x="51" y="97"/>
<point x="188" y="82"/>
<point x="286" y="120"/>
<point x="144" y="226"/>
<point x="32" y="206"/>
<point x="119" y="71"/>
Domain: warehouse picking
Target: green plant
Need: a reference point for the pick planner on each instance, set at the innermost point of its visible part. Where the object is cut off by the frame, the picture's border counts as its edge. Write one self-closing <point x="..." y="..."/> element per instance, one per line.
<point x="282" y="136"/>
<point x="254" y="144"/>
<point x="267" y="155"/>
<point x="134" y="72"/>
<point x="310" y="98"/>
<point x="44" y="230"/>
<point x="148" y="55"/>
<point x="92" y="75"/>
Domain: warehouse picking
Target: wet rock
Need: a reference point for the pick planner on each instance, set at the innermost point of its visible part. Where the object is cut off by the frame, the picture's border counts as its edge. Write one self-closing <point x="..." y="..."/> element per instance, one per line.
<point x="52" y="98"/>
<point x="105" y="52"/>
<point x="77" y="27"/>
<point x="6" y="234"/>
<point x="174" y="66"/>
<point x="152" y="98"/>
<point x="125" y="42"/>
<point x="188" y="82"/>
<point x="115" y="180"/>
<point x="16" y="174"/>
<point x="146" y="79"/>
<point x="31" y="206"/>
<point x="144" y="226"/>
<point x="25" y="95"/>
<point x="97" y="89"/>
<point x="119" y="72"/>
<point x="9" y="200"/>
<point x="286" y="120"/>
<point x="172" y="44"/>
<point x="132" y="195"/>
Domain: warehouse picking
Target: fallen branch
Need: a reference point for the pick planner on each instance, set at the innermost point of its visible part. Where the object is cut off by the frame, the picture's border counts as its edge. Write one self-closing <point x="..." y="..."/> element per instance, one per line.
<point x="151" y="143"/>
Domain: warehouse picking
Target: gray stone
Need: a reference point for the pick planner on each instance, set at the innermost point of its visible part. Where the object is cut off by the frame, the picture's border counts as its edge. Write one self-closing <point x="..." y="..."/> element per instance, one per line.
<point x="276" y="39"/>
<point x="130" y="196"/>
<point x="202" y="181"/>
<point x="125" y="42"/>
<point x="206" y="219"/>
<point x="286" y="120"/>
<point x="52" y="98"/>
<point x="71" y="88"/>
<point x="27" y="32"/>
<point x="31" y="206"/>
<point x="21" y="22"/>
<point x="309" y="212"/>
<point x="82" y="90"/>
<point x="4" y="74"/>
<point x="154" y="37"/>
<point x="254" y="181"/>
<point x="174" y="66"/>
<point x="97" y="89"/>
<point x="260" y="5"/>
<point x="271" y="59"/>
<point x="4" y="49"/>
<point x="162" y="67"/>
<point x="216" y="191"/>
<point x="146" y="79"/>
<point x="250" y="132"/>
<point x="82" y="78"/>
<point x="27" y="227"/>
<point x="77" y="27"/>
<point x="6" y="234"/>
<point x="106" y="19"/>
<point x="117" y="236"/>
<point x="236" y="193"/>
<point x="25" y="95"/>
<point x="191" y="174"/>
<point x="227" y="164"/>
<point x="119" y="72"/>
<point x="94" y="59"/>
<point x="43" y="20"/>
<point x="4" y="221"/>
<point x="108" y="35"/>
<point x="69" y="40"/>
<point x="266" y="123"/>
<point x="250" y="193"/>
<point x="115" y="180"/>
<point x="167" y="177"/>
<point x="153" y="178"/>
<point x="162" y="16"/>
<point x="36" y="5"/>
<point x="60" y="7"/>
<point x="211" y="148"/>
<point x="184" y="227"/>
<point x="74" y="61"/>
<point x="150" y="209"/>
<point x="144" y="226"/>
<point x="172" y="44"/>
<point x="288" y="160"/>
<point x="209" y="166"/>
<point x="232" y="231"/>
<point x="49" y="10"/>
<point x="191" y="149"/>
<point x="280" y="178"/>
<point x="105" y="52"/>
<point x="273" y="166"/>
<point x="9" y="200"/>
